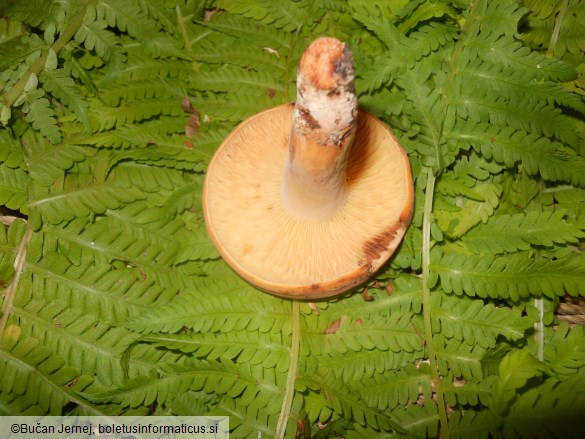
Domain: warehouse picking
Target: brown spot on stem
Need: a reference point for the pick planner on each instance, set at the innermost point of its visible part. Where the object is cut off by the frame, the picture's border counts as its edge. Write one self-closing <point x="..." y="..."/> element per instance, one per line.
<point x="308" y="120"/>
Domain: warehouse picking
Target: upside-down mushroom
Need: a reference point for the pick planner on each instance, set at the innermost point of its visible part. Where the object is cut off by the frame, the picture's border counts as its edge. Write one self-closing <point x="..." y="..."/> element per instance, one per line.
<point x="309" y="200"/>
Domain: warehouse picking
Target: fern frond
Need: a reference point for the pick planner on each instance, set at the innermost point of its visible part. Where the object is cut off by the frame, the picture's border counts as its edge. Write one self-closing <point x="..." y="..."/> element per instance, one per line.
<point x="10" y="240"/>
<point x="232" y="108"/>
<point x="41" y="115"/>
<point x="253" y="386"/>
<point x="231" y="79"/>
<point x="75" y="200"/>
<point x="39" y="14"/>
<point x="538" y="155"/>
<point x="458" y="357"/>
<point x="95" y="36"/>
<point x="13" y="188"/>
<point x="30" y="369"/>
<point x="230" y="307"/>
<point x="553" y="409"/>
<point x="419" y="420"/>
<point x="127" y="16"/>
<point x="513" y="276"/>
<point x="144" y="177"/>
<point x="245" y="421"/>
<point x="540" y="23"/>
<point x="251" y="31"/>
<point x="470" y="423"/>
<point x="395" y="388"/>
<point x="395" y="332"/>
<point x="197" y="245"/>
<point x="353" y="366"/>
<point x="263" y="349"/>
<point x="510" y="233"/>
<point x="467" y="171"/>
<point x="59" y="83"/>
<point x="515" y="370"/>
<point x="336" y="397"/>
<point x="110" y="294"/>
<point x="419" y="12"/>
<point x="11" y="151"/>
<point x="477" y="323"/>
<point x="460" y="215"/>
<point x="120" y="92"/>
<point x="565" y="350"/>
<point x="238" y="54"/>
<point x="67" y="331"/>
<point x="468" y="393"/>
<point x="12" y="404"/>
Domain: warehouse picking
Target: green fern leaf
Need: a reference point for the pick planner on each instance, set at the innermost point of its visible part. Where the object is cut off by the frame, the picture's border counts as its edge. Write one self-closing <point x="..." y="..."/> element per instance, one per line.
<point x="197" y="246"/>
<point x="555" y="409"/>
<point x="41" y="13"/>
<point x="68" y="330"/>
<point x="41" y="115"/>
<point x="61" y="86"/>
<point x="254" y="386"/>
<point x="127" y="16"/>
<point x="253" y="348"/>
<point x="460" y="358"/>
<point x="121" y="92"/>
<point x="512" y="276"/>
<point x="538" y="155"/>
<point x="11" y="153"/>
<point x="95" y="36"/>
<point x="231" y="108"/>
<point x="66" y="203"/>
<point x="12" y="404"/>
<point x="231" y="79"/>
<point x="420" y="12"/>
<point x="564" y="350"/>
<point x="395" y="388"/>
<point x="515" y="370"/>
<point x="455" y="220"/>
<point x="419" y="421"/>
<point x="238" y="54"/>
<point x="47" y="162"/>
<point x="106" y="117"/>
<point x="468" y="393"/>
<point x="10" y="240"/>
<point x="509" y="233"/>
<point x="394" y="332"/>
<point x="475" y="322"/>
<point x="251" y="31"/>
<point x="337" y="397"/>
<point x="470" y="423"/>
<point x="236" y="306"/>
<point x="13" y="188"/>
<point x="28" y="368"/>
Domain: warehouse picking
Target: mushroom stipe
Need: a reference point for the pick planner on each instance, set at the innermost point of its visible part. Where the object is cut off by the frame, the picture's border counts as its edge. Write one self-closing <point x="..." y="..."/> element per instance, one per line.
<point x="308" y="200"/>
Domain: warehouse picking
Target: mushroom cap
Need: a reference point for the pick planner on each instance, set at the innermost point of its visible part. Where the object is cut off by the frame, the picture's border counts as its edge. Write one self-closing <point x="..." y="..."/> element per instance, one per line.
<point x="283" y="255"/>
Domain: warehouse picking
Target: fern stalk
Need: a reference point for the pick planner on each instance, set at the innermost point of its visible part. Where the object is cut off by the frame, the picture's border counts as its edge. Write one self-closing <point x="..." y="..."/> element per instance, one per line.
<point x="289" y="390"/>
<point x="17" y="89"/>
<point x="557" y="29"/>
<point x="184" y="34"/>
<point x="11" y="290"/>
<point x="428" y="336"/>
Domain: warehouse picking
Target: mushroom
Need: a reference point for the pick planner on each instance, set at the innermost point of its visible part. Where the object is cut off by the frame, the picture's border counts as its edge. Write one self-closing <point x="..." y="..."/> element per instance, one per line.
<point x="308" y="200"/>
